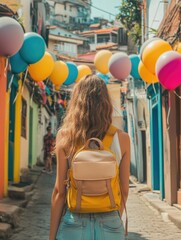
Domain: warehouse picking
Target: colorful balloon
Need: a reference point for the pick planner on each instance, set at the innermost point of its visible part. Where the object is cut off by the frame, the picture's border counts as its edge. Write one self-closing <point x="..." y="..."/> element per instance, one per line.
<point x="101" y="61"/>
<point x="120" y="65"/>
<point x="152" y="52"/>
<point x="41" y="85"/>
<point x="17" y="64"/>
<point x="83" y="70"/>
<point x="42" y="69"/>
<point x="135" y="60"/>
<point x="168" y="69"/>
<point x="145" y="74"/>
<point x="179" y="48"/>
<point x="33" y="48"/>
<point x="73" y="73"/>
<point x="11" y="36"/>
<point x="57" y="87"/>
<point x="60" y="73"/>
<point x="104" y="77"/>
<point x="146" y="43"/>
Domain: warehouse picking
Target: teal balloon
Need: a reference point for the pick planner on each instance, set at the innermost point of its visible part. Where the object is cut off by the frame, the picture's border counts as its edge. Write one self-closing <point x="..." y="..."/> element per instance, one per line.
<point x="17" y="64"/>
<point x="73" y="73"/>
<point x="33" y="48"/>
<point x="135" y="60"/>
<point x="47" y="90"/>
<point x="104" y="77"/>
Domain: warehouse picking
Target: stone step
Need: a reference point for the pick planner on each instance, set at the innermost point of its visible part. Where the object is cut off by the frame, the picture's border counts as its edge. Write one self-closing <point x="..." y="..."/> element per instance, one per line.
<point x="10" y="214"/>
<point x="19" y="203"/>
<point x="5" y="231"/>
<point x="16" y="192"/>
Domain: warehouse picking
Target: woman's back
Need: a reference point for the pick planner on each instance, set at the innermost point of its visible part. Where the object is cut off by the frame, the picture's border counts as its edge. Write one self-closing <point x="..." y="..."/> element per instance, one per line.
<point x="89" y="115"/>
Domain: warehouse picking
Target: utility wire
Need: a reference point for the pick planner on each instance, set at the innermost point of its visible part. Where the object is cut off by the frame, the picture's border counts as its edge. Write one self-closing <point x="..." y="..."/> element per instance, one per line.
<point x="90" y="4"/>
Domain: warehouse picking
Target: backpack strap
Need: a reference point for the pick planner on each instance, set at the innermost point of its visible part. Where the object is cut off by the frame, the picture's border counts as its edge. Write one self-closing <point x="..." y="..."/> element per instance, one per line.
<point x="107" y="141"/>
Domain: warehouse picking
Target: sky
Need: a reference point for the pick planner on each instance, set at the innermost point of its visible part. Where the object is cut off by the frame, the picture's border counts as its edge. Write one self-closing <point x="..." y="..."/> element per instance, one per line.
<point x="106" y="5"/>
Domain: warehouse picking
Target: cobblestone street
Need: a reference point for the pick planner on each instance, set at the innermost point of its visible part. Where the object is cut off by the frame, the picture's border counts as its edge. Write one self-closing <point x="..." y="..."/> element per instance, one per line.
<point x="144" y="222"/>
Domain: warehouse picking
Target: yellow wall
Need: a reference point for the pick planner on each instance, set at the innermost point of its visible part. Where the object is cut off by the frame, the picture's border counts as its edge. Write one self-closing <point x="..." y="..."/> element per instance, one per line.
<point x="7" y="144"/>
<point x="17" y="136"/>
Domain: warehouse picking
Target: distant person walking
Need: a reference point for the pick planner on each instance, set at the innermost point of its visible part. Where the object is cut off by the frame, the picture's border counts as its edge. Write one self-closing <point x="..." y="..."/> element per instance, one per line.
<point x="48" y="147"/>
<point x="93" y="164"/>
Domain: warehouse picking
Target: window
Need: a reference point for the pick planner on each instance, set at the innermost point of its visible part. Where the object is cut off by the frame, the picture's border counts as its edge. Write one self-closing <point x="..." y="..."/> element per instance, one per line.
<point x="23" y="118"/>
<point x="65" y="7"/>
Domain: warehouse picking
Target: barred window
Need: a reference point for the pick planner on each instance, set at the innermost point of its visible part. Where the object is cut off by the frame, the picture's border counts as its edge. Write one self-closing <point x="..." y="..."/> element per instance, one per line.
<point x="24" y="118"/>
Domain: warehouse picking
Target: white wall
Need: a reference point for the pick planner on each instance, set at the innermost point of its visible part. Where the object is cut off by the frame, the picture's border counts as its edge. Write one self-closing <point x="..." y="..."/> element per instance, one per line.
<point x="155" y="14"/>
<point x="45" y="119"/>
<point x="24" y="12"/>
<point x="65" y="13"/>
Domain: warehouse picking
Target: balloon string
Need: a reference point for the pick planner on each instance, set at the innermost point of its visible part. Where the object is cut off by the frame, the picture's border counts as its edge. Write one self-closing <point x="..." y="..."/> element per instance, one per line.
<point x="19" y="90"/>
<point x="26" y="73"/>
<point x="116" y="110"/>
<point x="169" y="110"/>
<point x="177" y="94"/>
<point x="154" y="88"/>
<point x="11" y="81"/>
<point x="32" y="93"/>
<point x="6" y="66"/>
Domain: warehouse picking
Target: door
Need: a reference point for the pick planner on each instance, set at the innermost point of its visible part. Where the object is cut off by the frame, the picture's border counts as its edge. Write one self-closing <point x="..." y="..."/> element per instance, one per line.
<point x="155" y="150"/>
<point x="178" y="147"/>
<point x="11" y="132"/>
<point x="30" y="156"/>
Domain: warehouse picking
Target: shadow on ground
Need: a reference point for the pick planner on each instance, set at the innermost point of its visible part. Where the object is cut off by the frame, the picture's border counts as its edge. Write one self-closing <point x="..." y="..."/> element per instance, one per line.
<point x="135" y="236"/>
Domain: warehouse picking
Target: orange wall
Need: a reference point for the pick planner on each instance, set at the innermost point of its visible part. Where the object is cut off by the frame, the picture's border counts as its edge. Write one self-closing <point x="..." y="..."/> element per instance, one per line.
<point x="2" y="123"/>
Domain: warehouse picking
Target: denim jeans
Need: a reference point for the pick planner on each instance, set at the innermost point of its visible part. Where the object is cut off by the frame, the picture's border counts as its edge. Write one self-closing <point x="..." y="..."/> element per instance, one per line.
<point x="91" y="226"/>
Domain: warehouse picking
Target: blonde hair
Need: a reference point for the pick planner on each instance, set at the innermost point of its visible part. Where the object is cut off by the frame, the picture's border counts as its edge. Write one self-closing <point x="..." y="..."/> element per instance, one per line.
<point x="89" y="114"/>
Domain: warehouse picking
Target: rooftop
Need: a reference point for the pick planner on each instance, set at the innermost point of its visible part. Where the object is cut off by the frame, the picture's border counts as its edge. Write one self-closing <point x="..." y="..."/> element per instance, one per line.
<point x="64" y="33"/>
<point x="100" y="31"/>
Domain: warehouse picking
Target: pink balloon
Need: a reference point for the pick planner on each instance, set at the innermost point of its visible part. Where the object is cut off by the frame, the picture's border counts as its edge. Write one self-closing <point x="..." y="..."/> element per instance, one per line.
<point x="11" y="36"/>
<point x="120" y="65"/>
<point x="41" y="85"/>
<point x="168" y="69"/>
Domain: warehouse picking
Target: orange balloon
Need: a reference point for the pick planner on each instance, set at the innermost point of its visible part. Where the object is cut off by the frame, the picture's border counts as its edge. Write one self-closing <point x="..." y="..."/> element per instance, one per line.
<point x="101" y="61"/>
<point x="57" y="87"/>
<point x="146" y="75"/>
<point x="179" y="48"/>
<point x="42" y="69"/>
<point x="60" y="73"/>
<point x="83" y="70"/>
<point x="153" y="51"/>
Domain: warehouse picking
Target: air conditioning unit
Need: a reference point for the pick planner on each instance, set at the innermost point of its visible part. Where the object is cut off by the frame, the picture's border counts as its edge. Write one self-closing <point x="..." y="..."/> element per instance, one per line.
<point x="56" y="47"/>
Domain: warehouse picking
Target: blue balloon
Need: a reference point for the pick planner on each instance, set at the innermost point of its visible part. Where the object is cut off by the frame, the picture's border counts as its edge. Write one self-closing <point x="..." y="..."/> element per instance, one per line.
<point x="18" y="65"/>
<point x="135" y="59"/>
<point x="73" y="73"/>
<point x="47" y="90"/>
<point x="33" y="48"/>
<point x="104" y="77"/>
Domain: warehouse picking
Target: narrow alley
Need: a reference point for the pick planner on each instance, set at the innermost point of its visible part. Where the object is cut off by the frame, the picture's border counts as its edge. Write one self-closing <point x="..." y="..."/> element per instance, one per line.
<point x="144" y="222"/>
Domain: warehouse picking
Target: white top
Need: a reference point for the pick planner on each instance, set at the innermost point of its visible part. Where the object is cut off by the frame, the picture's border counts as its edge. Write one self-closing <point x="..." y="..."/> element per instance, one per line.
<point x="115" y="147"/>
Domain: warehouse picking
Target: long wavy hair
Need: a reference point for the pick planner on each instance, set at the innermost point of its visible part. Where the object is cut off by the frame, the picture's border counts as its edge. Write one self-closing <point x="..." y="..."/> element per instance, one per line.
<point x="89" y="114"/>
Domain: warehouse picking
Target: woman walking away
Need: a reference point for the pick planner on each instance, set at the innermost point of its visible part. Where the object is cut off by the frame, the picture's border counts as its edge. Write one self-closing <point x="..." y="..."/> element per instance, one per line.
<point x="93" y="162"/>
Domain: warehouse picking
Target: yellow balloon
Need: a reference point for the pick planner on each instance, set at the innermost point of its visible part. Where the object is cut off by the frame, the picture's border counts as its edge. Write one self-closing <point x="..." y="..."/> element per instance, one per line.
<point x="42" y="69"/>
<point x="57" y="87"/>
<point x="83" y="70"/>
<point x="179" y="48"/>
<point x="146" y="75"/>
<point x="153" y="51"/>
<point x="60" y="73"/>
<point x="101" y="61"/>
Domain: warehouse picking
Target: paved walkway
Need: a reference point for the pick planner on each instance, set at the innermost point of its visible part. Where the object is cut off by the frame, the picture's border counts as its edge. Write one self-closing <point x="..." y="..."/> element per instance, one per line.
<point x="144" y="222"/>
